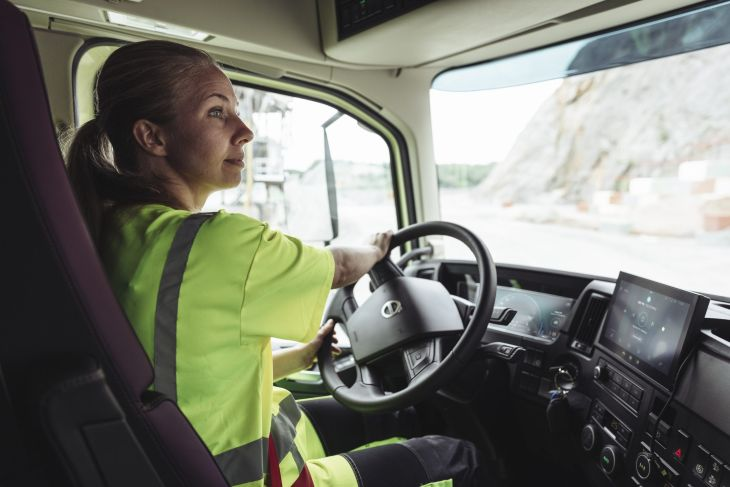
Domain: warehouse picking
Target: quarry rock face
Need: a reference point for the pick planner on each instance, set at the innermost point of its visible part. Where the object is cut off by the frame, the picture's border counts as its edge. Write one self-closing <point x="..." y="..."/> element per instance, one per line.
<point x="619" y="137"/>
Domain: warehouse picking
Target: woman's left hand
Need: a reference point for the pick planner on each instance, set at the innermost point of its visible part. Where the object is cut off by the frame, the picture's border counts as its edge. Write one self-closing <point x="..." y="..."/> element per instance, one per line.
<point x="287" y="361"/>
<point x="309" y="350"/>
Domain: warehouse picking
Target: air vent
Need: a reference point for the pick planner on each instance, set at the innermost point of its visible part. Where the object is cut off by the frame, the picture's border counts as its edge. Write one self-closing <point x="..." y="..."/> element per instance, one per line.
<point x="591" y="319"/>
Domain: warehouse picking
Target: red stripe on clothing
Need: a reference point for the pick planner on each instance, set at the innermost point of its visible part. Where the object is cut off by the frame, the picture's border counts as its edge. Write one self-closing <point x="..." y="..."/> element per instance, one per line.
<point x="304" y="479"/>
<point x="274" y="472"/>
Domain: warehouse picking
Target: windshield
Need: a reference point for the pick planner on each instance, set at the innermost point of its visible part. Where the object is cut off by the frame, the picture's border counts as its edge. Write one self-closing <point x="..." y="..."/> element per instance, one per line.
<point x="625" y="168"/>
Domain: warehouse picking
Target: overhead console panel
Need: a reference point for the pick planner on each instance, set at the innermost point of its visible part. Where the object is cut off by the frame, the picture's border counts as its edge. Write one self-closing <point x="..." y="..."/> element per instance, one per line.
<point x="355" y="16"/>
<point x="407" y="33"/>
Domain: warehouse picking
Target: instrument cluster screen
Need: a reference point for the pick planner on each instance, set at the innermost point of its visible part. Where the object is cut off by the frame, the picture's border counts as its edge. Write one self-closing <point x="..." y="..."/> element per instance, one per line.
<point x="538" y="314"/>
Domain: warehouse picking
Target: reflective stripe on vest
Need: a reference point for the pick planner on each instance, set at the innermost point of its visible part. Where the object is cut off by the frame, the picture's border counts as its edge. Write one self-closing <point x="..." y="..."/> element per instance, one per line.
<point x="284" y="429"/>
<point x="244" y="463"/>
<point x="167" y="304"/>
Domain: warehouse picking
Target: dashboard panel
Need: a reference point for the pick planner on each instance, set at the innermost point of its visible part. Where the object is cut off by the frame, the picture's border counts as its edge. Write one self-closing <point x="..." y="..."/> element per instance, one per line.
<point x="635" y="418"/>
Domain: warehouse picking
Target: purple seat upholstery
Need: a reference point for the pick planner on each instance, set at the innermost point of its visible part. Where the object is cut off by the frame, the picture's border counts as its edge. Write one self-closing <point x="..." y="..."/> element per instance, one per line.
<point x="56" y="304"/>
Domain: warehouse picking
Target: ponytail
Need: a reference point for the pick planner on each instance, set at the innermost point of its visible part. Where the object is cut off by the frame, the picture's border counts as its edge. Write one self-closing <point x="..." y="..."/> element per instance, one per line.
<point x="89" y="163"/>
<point x="99" y="183"/>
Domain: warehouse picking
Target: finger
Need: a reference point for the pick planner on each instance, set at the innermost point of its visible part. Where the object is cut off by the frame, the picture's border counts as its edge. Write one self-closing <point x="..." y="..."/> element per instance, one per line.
<point x="327" y="328"/>
<point x="336" y="350"/>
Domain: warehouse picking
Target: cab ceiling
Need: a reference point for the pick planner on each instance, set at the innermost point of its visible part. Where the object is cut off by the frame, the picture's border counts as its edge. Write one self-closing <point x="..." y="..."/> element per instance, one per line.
<point x="441" y="34"/>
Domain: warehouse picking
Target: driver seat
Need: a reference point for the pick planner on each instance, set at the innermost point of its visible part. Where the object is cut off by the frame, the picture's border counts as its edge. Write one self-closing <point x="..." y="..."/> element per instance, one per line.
<point x="74" y="405"/>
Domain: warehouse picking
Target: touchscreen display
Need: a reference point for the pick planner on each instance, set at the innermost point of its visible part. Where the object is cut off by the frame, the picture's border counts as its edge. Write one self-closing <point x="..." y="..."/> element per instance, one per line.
<point x="646" y="325"/>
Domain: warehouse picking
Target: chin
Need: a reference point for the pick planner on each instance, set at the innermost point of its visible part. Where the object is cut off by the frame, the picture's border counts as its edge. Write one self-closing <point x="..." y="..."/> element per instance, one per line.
<point x="232" y="182"/>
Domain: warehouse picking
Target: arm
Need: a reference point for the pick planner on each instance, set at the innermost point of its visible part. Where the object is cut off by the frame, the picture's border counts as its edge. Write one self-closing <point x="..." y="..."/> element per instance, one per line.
<point x="351" y="263"/>
<point x="300" y="357"/>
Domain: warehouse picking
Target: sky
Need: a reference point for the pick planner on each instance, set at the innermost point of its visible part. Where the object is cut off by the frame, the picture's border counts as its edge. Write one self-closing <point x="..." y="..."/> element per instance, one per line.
<point x="476" y="127"/>
<point x="348" y="141"/>
<point x="479" y="127"/>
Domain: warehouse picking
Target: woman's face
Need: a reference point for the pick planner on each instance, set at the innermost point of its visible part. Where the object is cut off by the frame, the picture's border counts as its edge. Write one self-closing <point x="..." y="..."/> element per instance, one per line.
<point x="207" y="137"/>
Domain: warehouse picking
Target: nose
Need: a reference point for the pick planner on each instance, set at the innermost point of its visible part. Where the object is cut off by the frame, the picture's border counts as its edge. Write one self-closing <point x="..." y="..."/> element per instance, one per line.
<point x="243" y="134"/>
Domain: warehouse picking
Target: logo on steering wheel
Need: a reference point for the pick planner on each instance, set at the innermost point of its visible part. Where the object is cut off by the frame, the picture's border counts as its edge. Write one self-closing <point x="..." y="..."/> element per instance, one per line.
<point x="390" y="309"/>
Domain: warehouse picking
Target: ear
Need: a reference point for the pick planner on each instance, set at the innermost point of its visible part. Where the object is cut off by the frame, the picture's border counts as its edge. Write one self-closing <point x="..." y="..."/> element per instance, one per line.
<point x="150" y="138"/>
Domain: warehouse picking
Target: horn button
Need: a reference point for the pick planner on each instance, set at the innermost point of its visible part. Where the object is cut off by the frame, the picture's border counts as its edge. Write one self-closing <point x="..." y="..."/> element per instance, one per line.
<point x="403" y="310"/>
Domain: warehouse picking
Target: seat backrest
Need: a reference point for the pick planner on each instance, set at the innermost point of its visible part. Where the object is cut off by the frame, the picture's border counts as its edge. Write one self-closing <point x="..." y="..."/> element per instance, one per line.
<point x="58" y="310"/>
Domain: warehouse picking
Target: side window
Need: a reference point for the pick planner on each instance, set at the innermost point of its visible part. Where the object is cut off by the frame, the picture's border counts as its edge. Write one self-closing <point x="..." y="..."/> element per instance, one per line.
<point x="311" y="171"/>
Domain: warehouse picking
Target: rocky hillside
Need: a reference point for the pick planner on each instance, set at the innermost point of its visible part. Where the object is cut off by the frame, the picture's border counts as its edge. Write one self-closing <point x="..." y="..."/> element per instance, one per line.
<point x="600" y="130"/>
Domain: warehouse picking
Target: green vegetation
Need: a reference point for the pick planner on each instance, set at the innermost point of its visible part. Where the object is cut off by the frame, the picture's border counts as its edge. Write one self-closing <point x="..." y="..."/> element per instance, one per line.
<point x="462" y="175"/>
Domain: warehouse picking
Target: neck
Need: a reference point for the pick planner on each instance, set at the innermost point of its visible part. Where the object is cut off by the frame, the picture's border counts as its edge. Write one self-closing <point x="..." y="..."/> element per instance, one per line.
<point x="174" y="184"/>
<point x="185" y="196"/>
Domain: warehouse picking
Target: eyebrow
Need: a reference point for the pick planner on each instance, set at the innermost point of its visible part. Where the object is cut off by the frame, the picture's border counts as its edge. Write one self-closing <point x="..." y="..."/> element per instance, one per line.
<point x="218" y="95"/>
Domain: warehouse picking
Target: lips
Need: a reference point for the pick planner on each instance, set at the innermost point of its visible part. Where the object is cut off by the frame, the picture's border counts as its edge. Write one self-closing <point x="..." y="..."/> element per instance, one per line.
<point x="235" y="162"/>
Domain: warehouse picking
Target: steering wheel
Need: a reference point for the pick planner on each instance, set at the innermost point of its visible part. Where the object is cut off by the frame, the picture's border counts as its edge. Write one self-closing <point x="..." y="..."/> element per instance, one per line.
<point x="409" y="316"/>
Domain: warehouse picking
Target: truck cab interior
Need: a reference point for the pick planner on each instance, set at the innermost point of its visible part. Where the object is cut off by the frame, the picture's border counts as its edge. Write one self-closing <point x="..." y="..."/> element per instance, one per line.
<point x="558" y="178"/>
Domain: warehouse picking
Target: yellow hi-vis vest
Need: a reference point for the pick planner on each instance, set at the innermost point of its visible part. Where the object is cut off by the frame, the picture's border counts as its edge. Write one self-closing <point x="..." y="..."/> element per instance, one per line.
<point x="204" y="293"/>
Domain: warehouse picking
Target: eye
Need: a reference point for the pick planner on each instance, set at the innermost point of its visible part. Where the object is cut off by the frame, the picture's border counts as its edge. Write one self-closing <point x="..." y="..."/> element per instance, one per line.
<point x="217" y="112"/>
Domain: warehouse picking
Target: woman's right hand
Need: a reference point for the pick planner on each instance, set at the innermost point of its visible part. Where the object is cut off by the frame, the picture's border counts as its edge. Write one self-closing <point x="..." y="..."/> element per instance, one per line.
<point x="381" y="241"/>
<point x="351" y="263"/>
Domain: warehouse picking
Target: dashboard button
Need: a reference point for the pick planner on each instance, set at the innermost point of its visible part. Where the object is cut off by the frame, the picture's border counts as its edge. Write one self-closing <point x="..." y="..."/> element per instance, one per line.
<point x="636" y="391"/>
<point x="699" y="458"/>
<point x="667" y="473"/>
<point x="624" y="395"/>
<point x="505" y="350"/>
<point x="634" y="403"/>
<point x="679" y="445"/>
<point x="712" y="480"/>
<point x="714" y="471"/>
<point x="598" y="407"/>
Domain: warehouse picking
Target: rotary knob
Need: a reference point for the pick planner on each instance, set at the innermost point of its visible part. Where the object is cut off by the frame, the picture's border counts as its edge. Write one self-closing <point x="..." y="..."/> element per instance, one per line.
<point x="643" y="465"/>
<point x="600" y="373"/>
<point x="609" y="459"/>
<point x="589" y="437"/>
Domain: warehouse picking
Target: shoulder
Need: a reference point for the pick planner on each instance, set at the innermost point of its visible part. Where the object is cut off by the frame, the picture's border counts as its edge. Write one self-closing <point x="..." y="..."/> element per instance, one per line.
<point x="140" y="226"/>
<point x="220" y="220"/>
<point x="146" y="218"/>
<point x="232" y="228"/>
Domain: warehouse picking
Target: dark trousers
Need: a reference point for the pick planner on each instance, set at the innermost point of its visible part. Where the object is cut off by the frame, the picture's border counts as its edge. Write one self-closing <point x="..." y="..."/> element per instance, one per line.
<point x="414" y="462"/>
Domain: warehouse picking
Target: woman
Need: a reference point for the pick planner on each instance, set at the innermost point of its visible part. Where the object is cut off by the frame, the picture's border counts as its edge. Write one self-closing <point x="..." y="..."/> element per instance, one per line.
<point x="206" y="292"/>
